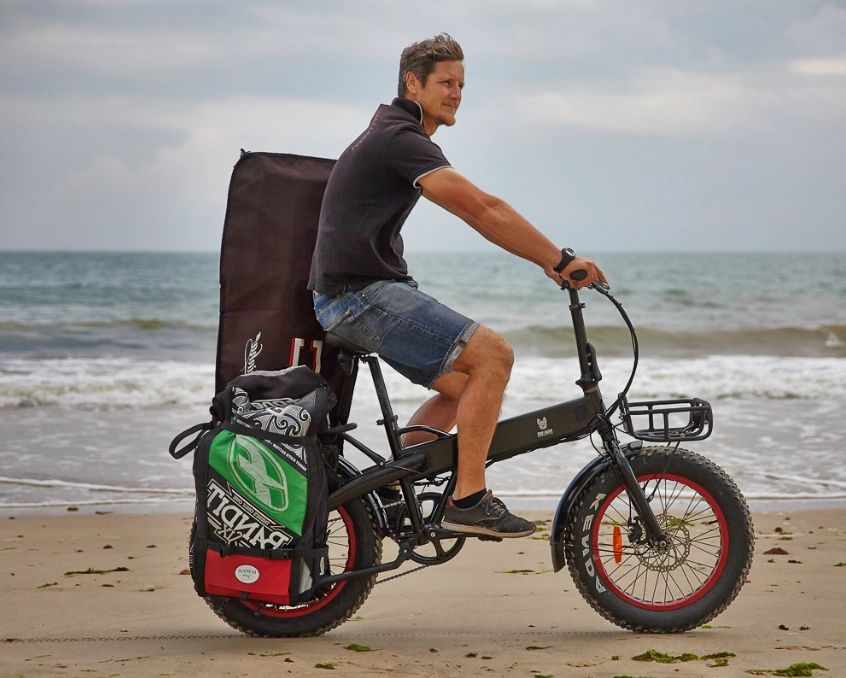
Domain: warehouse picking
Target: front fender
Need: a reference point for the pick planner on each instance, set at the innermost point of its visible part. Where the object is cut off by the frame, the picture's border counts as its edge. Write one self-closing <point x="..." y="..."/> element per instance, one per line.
<point x="571" y="494"/>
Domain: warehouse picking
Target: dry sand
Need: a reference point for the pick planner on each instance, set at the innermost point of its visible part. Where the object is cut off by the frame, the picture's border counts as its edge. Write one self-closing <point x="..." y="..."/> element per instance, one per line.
<point x="465" y="618"/>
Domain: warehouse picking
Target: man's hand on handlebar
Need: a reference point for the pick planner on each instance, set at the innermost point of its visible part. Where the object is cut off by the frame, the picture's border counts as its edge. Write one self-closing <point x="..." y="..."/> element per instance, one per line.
<point x="579" y="273"/>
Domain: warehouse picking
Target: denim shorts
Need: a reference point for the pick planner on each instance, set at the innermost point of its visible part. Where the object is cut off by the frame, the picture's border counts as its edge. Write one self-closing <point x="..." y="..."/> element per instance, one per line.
<point x="414" y="333"/>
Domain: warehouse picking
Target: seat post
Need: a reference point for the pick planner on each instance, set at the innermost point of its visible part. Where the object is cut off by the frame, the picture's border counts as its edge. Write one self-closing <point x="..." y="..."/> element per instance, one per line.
<point x="389" y="419"/>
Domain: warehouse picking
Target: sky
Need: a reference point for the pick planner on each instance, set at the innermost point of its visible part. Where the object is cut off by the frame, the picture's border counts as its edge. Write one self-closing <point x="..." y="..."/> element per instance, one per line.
<point x="612" y="126"/>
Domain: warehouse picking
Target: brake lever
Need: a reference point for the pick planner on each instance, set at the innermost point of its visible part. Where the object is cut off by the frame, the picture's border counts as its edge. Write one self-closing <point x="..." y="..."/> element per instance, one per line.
<point x="602" y="288"/>
<point x="581" y="274"/>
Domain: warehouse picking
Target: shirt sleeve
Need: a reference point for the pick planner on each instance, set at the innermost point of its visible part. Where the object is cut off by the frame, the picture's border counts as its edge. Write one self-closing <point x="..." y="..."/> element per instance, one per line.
<point x="413" y="155"/>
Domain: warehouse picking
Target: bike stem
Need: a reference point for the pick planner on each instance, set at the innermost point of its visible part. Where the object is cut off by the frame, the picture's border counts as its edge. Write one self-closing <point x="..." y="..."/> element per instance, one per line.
<point x="590" y="374"/>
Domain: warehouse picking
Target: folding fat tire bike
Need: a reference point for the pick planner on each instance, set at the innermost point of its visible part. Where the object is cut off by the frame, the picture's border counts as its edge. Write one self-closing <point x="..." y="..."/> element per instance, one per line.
<point x="657" y="538"/>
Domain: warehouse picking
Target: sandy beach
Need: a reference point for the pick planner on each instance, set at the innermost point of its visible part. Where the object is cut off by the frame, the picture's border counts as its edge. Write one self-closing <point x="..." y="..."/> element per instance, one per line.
<point x="472" y="616"/>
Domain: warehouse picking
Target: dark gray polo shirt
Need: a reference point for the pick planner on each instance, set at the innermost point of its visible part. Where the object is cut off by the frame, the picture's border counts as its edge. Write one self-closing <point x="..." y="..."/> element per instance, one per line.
<point x="371" y="191"/>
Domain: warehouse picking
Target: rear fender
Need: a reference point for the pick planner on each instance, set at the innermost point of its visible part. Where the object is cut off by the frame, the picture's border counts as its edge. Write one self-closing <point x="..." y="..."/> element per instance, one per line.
<point x="347" y="471"/>
<point x="568" y="500"/>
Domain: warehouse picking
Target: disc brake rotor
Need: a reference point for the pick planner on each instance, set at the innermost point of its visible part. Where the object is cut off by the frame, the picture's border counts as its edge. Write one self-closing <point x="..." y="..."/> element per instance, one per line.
<point x="677" y="551"/>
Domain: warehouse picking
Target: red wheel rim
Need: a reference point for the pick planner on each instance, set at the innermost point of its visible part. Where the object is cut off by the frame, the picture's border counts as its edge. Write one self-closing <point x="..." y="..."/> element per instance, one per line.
<point x="655" y="580"/>
<point x="340" y="536"/>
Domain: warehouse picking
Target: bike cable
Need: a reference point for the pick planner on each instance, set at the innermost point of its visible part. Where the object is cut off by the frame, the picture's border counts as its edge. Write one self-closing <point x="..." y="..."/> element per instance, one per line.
<point x="663" y="472"/>
<point x="636" y="354"/>
<point x="605" y="292"/>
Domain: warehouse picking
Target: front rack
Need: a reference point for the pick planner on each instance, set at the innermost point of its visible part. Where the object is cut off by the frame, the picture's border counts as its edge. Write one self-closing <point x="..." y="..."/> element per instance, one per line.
<point x="692" y="419"/>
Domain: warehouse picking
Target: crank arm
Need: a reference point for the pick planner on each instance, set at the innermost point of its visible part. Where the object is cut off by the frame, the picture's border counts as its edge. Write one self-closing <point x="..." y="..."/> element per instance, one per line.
<point x="433" y="533"/>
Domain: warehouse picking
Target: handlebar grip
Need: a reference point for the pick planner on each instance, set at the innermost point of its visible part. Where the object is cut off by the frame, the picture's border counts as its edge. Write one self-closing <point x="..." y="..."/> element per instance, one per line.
<point x="579" y="274"/>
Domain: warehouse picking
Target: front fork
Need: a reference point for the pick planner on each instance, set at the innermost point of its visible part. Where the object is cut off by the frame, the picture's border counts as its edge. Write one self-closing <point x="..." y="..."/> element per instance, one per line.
<point x="654" y="534"/>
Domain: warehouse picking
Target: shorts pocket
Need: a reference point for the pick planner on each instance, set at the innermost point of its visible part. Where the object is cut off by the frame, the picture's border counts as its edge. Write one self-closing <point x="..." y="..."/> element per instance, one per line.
<point x="351" y="329"/>
<point x="334" y="324"/>
<point x="359" y="334"/>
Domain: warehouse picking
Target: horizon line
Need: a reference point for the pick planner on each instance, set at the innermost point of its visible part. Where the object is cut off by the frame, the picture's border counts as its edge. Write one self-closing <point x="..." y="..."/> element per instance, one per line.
<point x="29" y="250"/>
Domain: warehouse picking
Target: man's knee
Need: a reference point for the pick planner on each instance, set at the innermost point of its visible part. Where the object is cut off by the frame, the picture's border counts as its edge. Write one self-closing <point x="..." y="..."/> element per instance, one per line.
<point x="451" y="385"/>
<point x="502" y="354"/>
<point x="486" y="352"/>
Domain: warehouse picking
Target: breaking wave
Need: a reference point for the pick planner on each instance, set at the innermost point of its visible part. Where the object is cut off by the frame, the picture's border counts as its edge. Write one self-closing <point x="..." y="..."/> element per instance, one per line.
<point x="118" y="383"/>
<point x="823" y="341"/>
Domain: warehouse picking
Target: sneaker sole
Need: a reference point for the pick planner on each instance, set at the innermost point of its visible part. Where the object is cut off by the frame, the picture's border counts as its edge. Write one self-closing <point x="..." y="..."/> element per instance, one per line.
<point x="484" y="531"/>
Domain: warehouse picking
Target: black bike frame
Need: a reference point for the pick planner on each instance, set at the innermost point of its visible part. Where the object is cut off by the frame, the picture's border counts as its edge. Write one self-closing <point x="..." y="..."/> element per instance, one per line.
<point x="549" y="426"/>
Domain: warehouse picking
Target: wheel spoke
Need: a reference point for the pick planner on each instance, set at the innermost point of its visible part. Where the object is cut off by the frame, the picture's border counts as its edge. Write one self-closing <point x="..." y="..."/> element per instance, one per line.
<point x="674" y="495"/>
<point x="623" y="518"/>
<point x="637" y="574"/>
<point x="621" y="564"/>
<point x="655" y="589"/>
<point x="691" y="506"/>
<point x="695" y="516"/>
<point x="710" y="553"/>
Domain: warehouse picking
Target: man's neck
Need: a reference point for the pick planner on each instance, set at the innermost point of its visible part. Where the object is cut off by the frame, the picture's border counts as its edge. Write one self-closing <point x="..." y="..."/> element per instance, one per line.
<point x="428" y="125"/>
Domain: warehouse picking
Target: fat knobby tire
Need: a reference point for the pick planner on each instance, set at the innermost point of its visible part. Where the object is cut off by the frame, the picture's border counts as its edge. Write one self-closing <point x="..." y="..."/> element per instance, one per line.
<point x="683" y="616"/>
<point x="300" y="622"/>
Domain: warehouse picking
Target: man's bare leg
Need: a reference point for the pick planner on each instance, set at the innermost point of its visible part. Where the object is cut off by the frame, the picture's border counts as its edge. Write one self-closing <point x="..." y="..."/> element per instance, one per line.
<point x="440" y="411"/>
<point x="486" y="360"/>
<point x="471" y="396"/>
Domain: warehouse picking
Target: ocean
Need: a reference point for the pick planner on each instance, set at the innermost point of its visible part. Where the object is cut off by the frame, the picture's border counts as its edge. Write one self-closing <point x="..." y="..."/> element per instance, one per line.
<point x="104" y="357"/>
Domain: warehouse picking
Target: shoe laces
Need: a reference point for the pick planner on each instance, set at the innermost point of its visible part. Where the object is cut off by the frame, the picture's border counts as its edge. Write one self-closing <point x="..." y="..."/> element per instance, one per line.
<point x="495" y="507"/>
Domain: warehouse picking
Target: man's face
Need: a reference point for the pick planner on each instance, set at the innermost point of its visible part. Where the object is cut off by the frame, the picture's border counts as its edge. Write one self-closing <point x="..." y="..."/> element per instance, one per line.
<point x="441" y="94"/>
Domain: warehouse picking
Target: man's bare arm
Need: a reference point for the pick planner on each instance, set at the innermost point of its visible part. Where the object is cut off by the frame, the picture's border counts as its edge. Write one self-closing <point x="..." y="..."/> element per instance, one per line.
<point x="500" y="223"/>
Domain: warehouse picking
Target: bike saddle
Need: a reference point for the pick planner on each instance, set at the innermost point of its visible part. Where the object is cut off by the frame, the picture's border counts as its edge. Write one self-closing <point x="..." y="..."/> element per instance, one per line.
<point x="342" y="344"/>
<point x="347" y="353"/>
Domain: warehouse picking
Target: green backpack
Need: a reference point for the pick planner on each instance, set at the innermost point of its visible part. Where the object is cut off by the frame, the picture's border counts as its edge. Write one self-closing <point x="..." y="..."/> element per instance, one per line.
<point x="260" y="517"/>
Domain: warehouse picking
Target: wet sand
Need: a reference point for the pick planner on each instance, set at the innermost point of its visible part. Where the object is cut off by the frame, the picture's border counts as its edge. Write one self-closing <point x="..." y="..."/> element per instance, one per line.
<point x="472" y="616"/>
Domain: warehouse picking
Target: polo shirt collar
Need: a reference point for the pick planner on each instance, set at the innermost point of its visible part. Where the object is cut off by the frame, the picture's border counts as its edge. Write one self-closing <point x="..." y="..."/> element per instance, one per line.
<point x="409" y="106"/>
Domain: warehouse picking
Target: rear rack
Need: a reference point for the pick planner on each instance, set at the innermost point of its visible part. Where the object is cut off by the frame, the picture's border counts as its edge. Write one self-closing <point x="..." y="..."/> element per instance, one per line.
<point x="692" y="419"/>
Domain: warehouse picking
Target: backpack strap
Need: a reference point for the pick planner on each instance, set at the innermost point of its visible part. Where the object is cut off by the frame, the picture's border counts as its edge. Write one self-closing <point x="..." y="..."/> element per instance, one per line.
<point x="240" y="429"/>
<point x="199" y="429"/>
<point x="269" y="554"/>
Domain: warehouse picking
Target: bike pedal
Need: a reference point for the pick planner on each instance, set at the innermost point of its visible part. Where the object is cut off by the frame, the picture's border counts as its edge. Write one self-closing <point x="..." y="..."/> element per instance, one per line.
<point x="483" y="537"/>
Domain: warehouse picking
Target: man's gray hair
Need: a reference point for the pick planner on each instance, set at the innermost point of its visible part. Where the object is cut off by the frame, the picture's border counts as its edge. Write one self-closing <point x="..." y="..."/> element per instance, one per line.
<point x="421" y="57"/>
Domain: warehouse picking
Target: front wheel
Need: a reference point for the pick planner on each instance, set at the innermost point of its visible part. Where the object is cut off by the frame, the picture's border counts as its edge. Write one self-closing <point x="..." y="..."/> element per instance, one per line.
<point x="648" y="588"/>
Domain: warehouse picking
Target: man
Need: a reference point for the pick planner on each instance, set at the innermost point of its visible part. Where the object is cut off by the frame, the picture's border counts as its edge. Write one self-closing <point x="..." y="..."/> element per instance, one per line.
<point x="364" y="294"/>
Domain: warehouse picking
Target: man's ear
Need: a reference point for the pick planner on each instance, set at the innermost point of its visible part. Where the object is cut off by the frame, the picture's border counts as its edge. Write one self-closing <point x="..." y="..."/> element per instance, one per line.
<point x="412" y="84"/>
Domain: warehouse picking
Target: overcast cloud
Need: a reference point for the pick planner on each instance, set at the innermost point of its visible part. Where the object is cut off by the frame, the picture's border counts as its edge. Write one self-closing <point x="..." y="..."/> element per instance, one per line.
<point x="662" y="124"/>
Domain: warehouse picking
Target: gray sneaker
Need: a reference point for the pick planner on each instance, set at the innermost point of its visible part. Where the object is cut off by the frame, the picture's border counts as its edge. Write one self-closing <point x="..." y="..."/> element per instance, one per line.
<point x="488" y="518"/>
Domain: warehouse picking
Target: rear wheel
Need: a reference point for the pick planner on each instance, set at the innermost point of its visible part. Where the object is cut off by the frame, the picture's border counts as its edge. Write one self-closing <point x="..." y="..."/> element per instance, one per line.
<point x="353" y="544"/>
<point x="649" y="588"/>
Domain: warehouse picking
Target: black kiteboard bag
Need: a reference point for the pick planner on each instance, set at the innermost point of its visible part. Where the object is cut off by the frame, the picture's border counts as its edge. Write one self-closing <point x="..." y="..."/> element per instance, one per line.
<point x="266" y="312"/>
